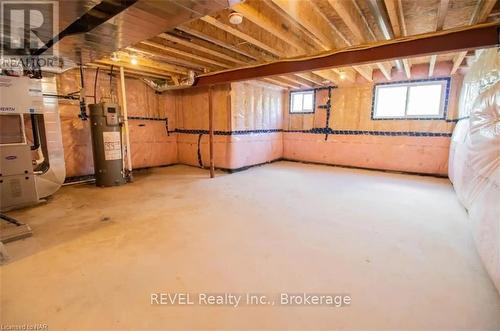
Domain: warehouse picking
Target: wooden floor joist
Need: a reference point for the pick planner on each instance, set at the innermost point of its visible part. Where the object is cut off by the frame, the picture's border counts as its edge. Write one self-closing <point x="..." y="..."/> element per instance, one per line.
<point x="480" y="36"/>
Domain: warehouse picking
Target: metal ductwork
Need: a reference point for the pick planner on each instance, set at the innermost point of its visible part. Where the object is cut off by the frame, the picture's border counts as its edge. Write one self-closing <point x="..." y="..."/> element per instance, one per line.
<point x="378" y="10"/>
<point x="184" y="83"/>
<point x="140" y="20"/>
<point x="92" y="29"/>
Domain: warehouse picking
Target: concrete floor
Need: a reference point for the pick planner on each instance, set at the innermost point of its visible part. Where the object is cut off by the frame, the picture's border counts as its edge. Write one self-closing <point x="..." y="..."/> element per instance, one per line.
<point x="399" y="245"/>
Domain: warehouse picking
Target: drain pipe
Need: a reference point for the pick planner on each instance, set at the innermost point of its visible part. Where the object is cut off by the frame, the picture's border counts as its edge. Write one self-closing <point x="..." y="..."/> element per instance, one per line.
<point x="187" y="82"/>
<point x="128" y="171"/>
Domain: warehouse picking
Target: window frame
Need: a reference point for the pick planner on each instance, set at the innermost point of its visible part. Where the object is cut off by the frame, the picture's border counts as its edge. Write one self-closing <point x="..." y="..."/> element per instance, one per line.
<point x="443" y="109"/>
<point x="301" y="92"/>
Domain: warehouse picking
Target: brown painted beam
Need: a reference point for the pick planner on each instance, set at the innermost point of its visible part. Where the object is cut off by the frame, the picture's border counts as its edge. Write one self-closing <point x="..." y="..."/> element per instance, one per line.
<point x="480" y="36"/>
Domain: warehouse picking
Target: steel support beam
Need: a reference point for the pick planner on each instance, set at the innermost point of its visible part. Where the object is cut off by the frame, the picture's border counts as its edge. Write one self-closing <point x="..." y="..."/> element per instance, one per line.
<point x="479" y="36"/>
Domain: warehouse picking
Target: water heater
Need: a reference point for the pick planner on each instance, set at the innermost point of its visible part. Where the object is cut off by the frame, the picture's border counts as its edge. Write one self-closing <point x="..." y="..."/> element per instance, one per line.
<point x="105" y="122"/>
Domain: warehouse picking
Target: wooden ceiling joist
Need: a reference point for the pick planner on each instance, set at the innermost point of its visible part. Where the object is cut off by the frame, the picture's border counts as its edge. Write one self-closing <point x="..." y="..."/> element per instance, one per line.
<point x="407" y="68"/>
<point x="186" y="54"/>
<point x="457" y="61"/>
<point x="386" y="69"/>
<point x="328" y="75"/>
<point x="481" y="11"/>
<point x="349" y="14"/>
<point x="290" y="82"/>
<point x="215" y="41"/>
<point x="355" y="21"/>
<point x="279" y="83"/>
<point x="268" y="24"/>
<point x="392" y="7"/>
<point x="429" y="44"/>
<point x="432" y="63"/>
<point x="441" y="15"/>
<point x="144" y="62"/>
<point x="365" y="71"/>
<point x="480" y="14"/>
<point x="306" y="15"/>
<point x="346" y="74"/>
<point x="197" y="47"/>
<point x="309" y="76"/>
<point x="132" y="67"/>
<point x="298" y="80"/>
<point x="132" y="73"/>
<point x="166" y="58"/>
<point x="243" y="36"/>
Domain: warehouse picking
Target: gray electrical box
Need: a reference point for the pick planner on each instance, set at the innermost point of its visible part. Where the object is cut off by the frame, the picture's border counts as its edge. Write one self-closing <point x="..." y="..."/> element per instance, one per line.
<point x="107" y="144"/>
<point x="17" y="183"/>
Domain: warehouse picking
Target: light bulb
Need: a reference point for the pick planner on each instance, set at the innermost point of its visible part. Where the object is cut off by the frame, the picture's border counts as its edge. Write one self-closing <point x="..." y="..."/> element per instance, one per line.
<point x="235" y="18"/>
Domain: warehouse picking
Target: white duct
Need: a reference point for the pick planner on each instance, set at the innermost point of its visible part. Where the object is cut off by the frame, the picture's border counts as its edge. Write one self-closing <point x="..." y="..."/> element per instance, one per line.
<point x="187" y="82"/>
<point x="50" y="181"/>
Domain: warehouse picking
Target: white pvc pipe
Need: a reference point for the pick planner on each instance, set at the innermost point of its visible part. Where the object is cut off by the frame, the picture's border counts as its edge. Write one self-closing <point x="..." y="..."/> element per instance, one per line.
<point x="125" y="122"/>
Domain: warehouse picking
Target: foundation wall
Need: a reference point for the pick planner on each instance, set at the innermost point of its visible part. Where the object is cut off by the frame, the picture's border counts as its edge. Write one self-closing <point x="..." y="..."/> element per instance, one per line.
<point x="247" y="125"/>
<point x="352" y="138"/>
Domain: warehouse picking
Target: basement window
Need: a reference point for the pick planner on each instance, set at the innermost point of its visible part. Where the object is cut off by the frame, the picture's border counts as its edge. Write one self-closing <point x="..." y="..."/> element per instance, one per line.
<point x="423" y="99"/>
<point x="302" y="102"/>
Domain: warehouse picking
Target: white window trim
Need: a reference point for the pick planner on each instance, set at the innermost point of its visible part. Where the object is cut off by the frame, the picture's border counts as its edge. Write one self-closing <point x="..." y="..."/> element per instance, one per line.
<point x="443" y="84"/>
<point x="303" y="111"/>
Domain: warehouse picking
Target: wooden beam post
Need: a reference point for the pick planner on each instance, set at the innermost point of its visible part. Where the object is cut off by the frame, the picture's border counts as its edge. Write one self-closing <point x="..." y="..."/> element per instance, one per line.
<point x="125" y="124"/>
<point x="211" y="132"/>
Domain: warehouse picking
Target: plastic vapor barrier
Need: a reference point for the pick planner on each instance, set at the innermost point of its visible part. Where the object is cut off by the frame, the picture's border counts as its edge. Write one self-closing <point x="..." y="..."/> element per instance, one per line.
<point x="475" y="157"/>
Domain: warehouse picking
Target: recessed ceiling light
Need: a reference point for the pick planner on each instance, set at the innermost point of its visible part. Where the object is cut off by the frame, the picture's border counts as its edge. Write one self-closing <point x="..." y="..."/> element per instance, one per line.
<point x="342" y="75"/>
<point x="235" y="18"/>
<point x="133" y="60"/>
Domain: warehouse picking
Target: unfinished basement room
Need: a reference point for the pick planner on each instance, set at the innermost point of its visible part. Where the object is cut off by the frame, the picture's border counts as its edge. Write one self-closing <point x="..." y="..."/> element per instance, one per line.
<point x="250" y="165"/>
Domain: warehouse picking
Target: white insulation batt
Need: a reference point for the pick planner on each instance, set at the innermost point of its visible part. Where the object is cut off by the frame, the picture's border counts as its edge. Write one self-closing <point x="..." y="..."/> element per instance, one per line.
<point x="474" y="165"/>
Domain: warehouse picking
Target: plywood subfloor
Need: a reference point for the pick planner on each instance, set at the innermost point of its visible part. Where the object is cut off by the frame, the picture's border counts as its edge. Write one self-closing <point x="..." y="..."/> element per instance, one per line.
<point x="399" y="245"/>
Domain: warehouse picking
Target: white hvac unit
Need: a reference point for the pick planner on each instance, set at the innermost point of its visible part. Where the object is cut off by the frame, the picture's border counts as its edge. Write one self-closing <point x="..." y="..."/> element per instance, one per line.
<point x="32" y="170"/>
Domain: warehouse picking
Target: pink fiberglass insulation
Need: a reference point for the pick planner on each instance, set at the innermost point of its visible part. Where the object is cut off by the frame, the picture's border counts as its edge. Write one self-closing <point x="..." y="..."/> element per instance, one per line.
<point x="356" y="139"/>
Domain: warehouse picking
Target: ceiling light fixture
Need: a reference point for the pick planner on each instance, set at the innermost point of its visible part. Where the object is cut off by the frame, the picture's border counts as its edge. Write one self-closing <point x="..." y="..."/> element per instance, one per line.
<point x="235" y="18"/>
<point x="133" y="60"/>
<point x="114" y="57"/>
<point x="342" y="75"/>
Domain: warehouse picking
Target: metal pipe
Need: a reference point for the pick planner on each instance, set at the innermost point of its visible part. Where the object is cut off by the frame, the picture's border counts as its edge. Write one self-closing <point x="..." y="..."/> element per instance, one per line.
<point x="382" y="19"/>
<point x="125" y="125"/>
<point x="188" y="82"/>
<point x="211" y="132"/>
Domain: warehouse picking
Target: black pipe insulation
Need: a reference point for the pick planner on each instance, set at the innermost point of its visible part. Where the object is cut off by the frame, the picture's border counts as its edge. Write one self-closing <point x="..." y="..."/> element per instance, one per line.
<point x="83" y="107"/>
